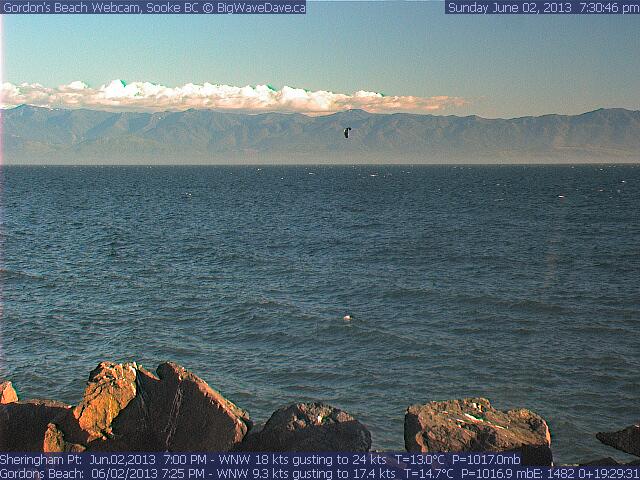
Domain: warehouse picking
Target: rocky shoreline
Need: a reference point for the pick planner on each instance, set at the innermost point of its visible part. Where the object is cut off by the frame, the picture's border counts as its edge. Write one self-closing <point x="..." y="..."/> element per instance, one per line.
<point x="127" y="408"/>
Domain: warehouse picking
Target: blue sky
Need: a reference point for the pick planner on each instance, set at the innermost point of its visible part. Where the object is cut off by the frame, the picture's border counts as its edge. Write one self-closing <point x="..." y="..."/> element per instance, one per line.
<point x="501" y="66"/>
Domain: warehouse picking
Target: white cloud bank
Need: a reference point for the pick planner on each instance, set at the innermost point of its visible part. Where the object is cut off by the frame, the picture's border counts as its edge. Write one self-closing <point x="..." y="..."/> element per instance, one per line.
<point x="145" y="96"/>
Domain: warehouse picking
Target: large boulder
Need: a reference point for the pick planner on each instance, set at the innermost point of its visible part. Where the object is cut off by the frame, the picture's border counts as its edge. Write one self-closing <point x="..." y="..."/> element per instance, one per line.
<point x="110" y="389"/>
<point x="627" y="440"/>
<point x="7" y="393"/>
<point x="126" y="407"/>
<point x="23" y="424"/>
<point x="188" y="415"/>
<point x="472" y="424"/>
<point x="309" y="427"/>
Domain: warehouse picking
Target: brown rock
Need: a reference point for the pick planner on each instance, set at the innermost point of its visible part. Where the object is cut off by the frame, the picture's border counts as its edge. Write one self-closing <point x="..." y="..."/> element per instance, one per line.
<point x="626" y="440"/>
<point x="7" y="393"/>
<point x="110" y="389"/>
<point x="126" y="408"/>
<point x="309" y="427"/>
<point x="23" y="424"/>
<point x="472" y="424"/>
<point x="190" y="415"/>
<point x="54" y="441"/>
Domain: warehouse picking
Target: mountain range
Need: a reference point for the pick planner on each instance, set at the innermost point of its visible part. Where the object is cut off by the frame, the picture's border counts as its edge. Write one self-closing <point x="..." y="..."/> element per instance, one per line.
<point x="58" y="136"/>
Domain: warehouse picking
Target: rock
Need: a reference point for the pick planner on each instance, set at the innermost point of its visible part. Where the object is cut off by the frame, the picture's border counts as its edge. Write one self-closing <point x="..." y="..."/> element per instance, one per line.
<point x="23" y="424"/>
<point x="472" y="424"/>
<point x="188" y="415"/>
<point x="7" y="393"/>
<point x="626" y="440"/>
<point x="54" y="441"/>
<point x="126" y="408"/>
<point x="309" y="427"/>
<point x="110" y="389"/>
<point x="249" y="439"/>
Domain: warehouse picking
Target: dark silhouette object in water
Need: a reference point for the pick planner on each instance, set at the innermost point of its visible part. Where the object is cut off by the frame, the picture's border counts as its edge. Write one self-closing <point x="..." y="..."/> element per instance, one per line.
<point x="346" y="132"/>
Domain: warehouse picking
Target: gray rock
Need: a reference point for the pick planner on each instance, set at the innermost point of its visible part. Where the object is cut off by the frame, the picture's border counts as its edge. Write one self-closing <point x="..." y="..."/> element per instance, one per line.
<point x="626" y="440"/>
<point x="472" y="424"/>
<point x="309" y="427"/>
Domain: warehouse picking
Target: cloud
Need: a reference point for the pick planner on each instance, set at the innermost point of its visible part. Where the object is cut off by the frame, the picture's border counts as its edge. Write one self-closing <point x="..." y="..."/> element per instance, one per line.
<point x="145" y="96"/>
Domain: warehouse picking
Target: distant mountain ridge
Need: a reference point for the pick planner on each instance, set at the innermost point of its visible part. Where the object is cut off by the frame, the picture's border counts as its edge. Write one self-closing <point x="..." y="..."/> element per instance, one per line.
<point x="42" y="135"/>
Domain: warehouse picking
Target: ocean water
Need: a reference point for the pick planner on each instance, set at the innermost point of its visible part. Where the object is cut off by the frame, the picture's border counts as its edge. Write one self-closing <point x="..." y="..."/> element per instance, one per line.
<point x="517" y="283"/>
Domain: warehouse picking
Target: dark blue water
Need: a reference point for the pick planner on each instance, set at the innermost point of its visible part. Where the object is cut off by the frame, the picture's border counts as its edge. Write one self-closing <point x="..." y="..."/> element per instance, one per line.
<point x="461" y="281"/>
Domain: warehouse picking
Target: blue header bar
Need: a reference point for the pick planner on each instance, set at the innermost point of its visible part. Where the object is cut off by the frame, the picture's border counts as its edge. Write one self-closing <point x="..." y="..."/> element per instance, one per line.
<point x="541" y="7"/>
<point x="153" y="7"/>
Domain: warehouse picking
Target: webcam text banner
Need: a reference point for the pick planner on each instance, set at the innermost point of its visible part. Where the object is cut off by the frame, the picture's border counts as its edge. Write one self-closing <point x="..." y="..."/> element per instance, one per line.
<point x="153" y="7"/>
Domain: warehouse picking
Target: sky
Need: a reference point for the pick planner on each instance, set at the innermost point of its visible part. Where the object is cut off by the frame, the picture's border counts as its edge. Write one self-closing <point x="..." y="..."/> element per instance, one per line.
<point x="381" y="56"/>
